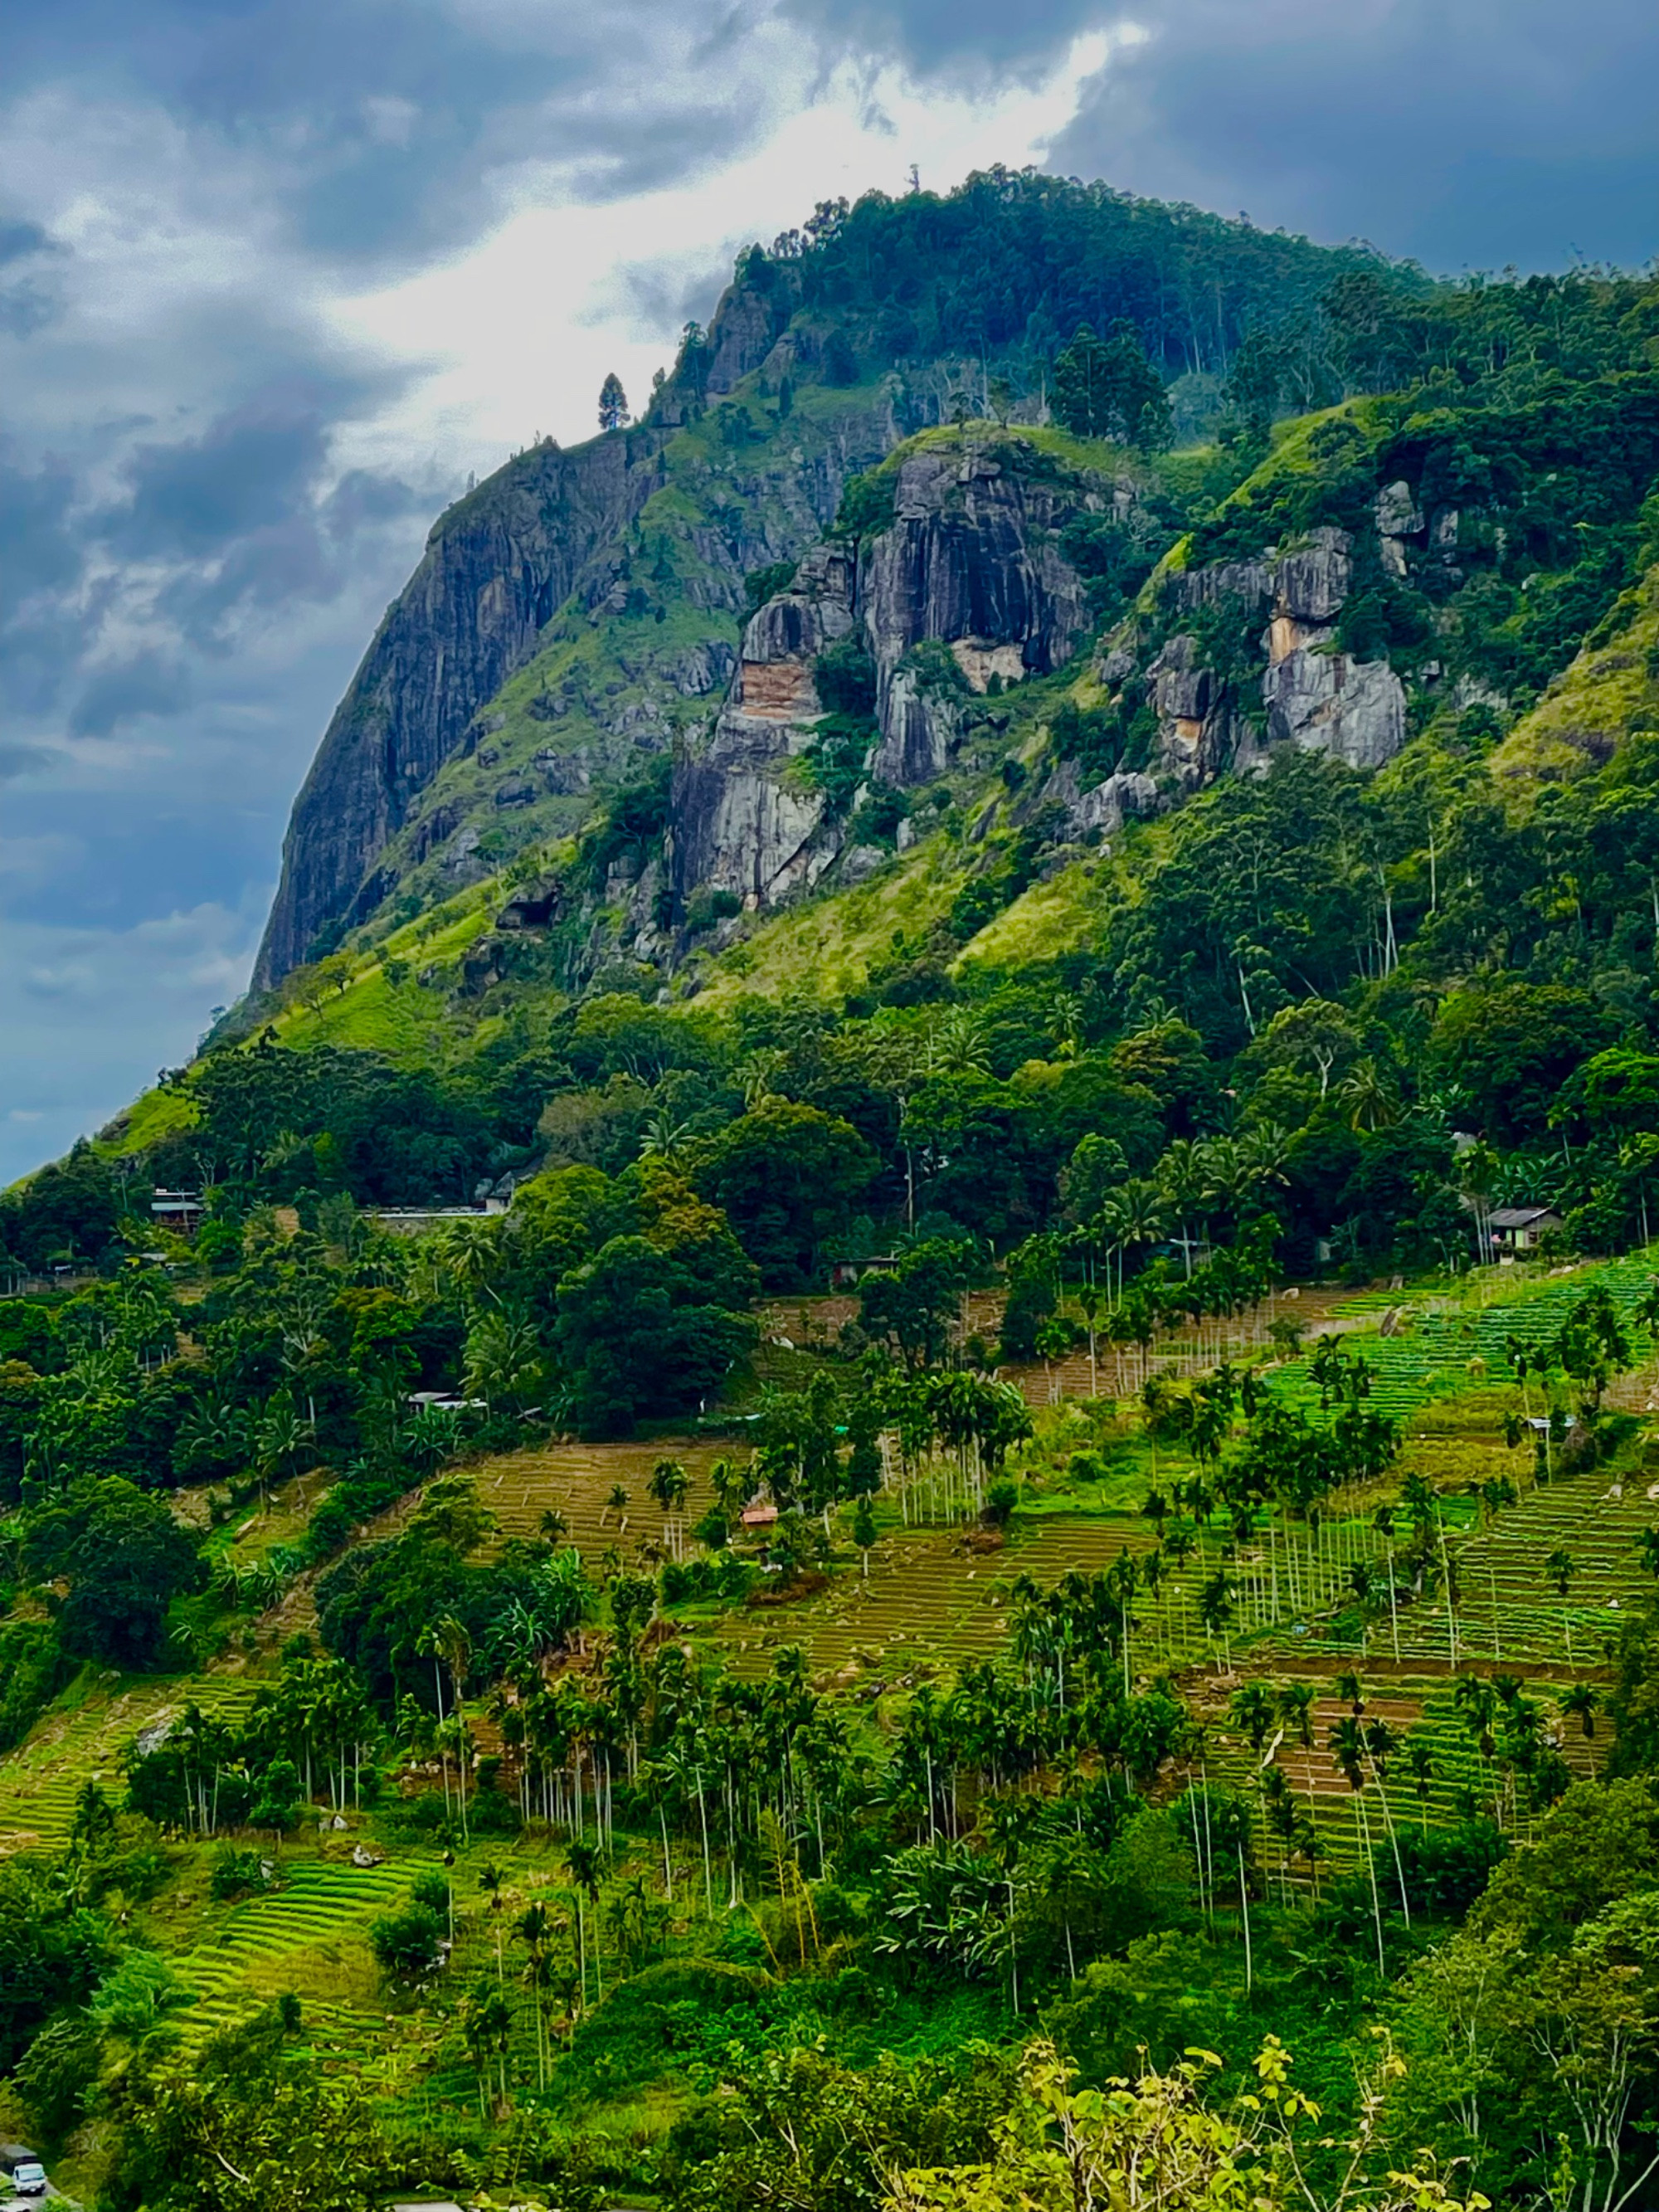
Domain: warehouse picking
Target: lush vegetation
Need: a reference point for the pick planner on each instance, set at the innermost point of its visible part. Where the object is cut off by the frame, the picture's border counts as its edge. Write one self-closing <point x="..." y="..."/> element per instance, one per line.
<point x="981" y="1588"/>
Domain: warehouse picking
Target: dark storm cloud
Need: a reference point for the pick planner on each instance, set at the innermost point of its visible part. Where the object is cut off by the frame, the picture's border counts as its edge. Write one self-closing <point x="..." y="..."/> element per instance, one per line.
<point x="952" y="36"/>
<point x="244" y="473"/>
<point x="381" y="114"/>
<point x="1468" y="133"/>
<point x="23" y="241"/>
<point x="148" y="683"/>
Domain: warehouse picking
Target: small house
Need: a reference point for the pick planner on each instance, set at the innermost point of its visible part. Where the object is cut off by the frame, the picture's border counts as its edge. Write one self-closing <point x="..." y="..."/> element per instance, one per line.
<point x="759" y="1513"/>
<point x="1519" y="1228"/>
<point x="180" y="1210"/>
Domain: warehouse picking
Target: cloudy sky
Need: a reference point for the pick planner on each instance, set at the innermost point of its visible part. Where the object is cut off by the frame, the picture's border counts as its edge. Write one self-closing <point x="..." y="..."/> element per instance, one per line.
<point x="274" y="275"/>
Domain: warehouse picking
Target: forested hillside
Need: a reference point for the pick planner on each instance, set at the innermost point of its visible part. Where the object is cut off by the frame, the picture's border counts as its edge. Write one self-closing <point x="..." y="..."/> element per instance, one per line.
<point x="906" y="1362"/>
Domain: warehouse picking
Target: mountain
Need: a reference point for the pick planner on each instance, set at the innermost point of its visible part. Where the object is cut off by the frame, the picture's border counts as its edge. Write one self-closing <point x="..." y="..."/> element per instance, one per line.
<point x="930" y="1248"/>
<point x="578" y="612"/>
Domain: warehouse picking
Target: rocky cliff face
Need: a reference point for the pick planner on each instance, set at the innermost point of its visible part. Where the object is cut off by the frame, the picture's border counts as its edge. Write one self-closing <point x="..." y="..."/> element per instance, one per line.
<point x="744" y="818"/>
<point x="558" y="580"/>
<point x="1309" y="694"/>
<point x="969" y="563"/>
<point x="495" y="569"/>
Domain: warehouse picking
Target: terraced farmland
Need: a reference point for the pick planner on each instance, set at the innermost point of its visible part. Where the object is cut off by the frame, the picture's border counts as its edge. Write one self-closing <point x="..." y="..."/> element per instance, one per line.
<point x="321" y="1912"/>
<point x="576" y="1480"/>
<point x="84" y="1742"/>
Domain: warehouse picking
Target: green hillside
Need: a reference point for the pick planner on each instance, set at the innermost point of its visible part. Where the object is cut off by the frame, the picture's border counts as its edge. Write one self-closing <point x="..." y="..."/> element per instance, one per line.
<point x="889" y="1382"/>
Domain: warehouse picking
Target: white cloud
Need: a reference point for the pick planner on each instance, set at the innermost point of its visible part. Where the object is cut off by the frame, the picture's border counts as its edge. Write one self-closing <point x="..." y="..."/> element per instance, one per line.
<point x="519" y="330"/>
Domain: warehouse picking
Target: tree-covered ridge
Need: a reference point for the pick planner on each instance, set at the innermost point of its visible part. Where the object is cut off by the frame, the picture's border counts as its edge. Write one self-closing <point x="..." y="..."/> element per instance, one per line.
<point x="1012" y="1506"/>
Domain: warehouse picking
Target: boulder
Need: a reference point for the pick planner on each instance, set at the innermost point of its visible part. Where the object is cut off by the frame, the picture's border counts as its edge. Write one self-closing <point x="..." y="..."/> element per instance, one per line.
<point x="1310" y="584"/>
<point x="1355" y="710"/>
<point x="1124" y="796"/>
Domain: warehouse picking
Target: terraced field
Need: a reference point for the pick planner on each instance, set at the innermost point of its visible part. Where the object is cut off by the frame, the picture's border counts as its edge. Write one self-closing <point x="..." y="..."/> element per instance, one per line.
<point x="319" y="1918"/>
<point x="84" y="1742"/>
<point x="577" y="1480"/>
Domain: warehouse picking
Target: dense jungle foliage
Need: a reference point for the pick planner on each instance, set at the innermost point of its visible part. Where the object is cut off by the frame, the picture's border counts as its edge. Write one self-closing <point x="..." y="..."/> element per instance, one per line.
<point x="551" y="1703"/>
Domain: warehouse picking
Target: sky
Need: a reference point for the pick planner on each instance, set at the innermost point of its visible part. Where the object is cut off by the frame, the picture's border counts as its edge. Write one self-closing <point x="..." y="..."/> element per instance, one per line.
<point x="275" y="275"/>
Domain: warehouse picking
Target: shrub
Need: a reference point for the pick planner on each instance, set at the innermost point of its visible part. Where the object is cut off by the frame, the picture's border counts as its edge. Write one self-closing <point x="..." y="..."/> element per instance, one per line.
<point x="405" y="1944"/>
<point x="1001" y="1499"/>
<point x="238" y="1873"/>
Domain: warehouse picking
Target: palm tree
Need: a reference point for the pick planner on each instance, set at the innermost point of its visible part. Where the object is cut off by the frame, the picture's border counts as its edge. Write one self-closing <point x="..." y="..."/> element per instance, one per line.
<point x="1477" y="1704"/>
<point x="663" y="1139"/>
<point x="1370" y="1095"/>
<point x="1347" y="1745"/>
<point x="1581" y="1704"/>
<point x="1561" y="1567"/>
<point x="487" y="2028"/>
<point x="1254" y="1709"/>
<point x="504" y="1361"/>
<point x="1054" y="1341"/>
<point x="1215" y="1610"/>
<point x="584" y="1862"/>
<point x="668" y="1485"/>
<point x="958" y="1045"/>
<point x="1090" y="1301"/>
<point x="1233" y="1826"/>
<point x="1419" y="1753"/>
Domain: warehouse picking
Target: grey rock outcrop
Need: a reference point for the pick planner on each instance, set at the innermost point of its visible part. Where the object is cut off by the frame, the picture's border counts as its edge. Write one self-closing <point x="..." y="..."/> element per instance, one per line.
<point x="1315" y="696"/>
<point x="740" y="821"/>
<point x="495" y="567"/>
<point x="1355" y="710"/>
<point x="969" y="563"/>
<point x="1103" y="810"/>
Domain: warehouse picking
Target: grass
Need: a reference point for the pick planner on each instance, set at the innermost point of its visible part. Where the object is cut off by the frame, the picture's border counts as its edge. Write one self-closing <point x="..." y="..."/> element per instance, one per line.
<point x="833" y="944"/>
<point x="1050" y="918"/>
<point x="1589" y="708"/>
<point x="85" y="1738"/>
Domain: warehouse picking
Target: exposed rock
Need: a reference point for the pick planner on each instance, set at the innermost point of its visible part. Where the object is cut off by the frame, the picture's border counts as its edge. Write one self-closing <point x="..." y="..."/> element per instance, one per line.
<point x="860" y="862"/>
<point x="1195" y="729"/>
<point x="515" y="791"/>
<point x="1326" y="702"/>
<point x="1398" y="514"/>
<point x="920" y="728"/>
<point x="1310" y="584"/>
<point x="533" y="906"/>
<point x="785" y="635"/>
<point x="482" y="965"/>
<point x="702" y="669"/>
<point x="739" y="822"/>
<point x="970" y="556"/>
<point x="565" y="774"/>
<point x="980" y="659"/>
<point x="1124" y="796"/>
<point x="1190" y="589"/>
<point x="495" y="568"/>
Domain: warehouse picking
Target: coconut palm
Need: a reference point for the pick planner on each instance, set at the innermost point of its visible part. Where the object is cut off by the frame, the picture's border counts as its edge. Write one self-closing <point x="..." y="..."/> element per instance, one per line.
<point x="668" y="1487"/>
<point x="1581" y="1703"/>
